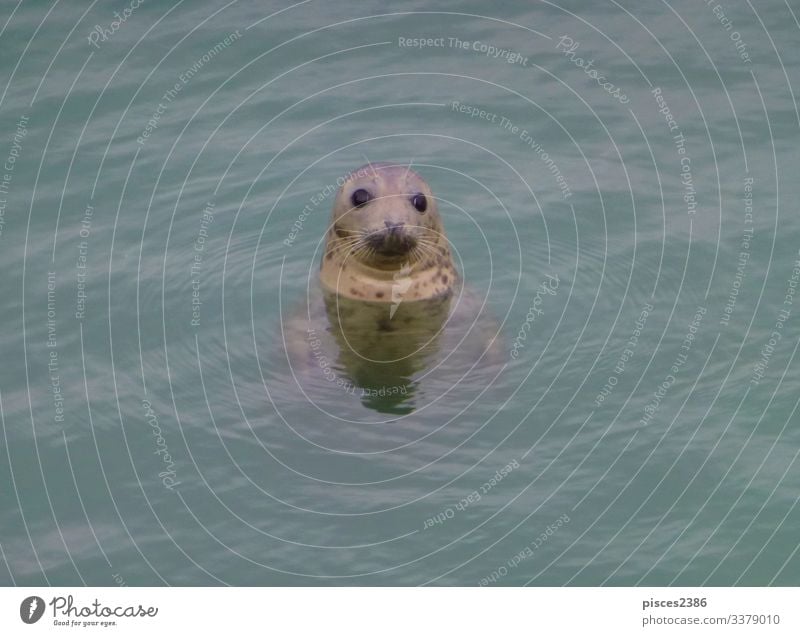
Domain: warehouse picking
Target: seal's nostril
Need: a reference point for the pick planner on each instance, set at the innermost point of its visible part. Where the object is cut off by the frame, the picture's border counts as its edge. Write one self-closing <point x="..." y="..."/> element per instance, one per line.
<point x="393" y="226"/>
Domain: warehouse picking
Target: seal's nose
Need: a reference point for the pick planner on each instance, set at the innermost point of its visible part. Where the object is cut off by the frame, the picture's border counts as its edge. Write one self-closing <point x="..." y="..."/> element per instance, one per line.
<point x="393" y="228"/>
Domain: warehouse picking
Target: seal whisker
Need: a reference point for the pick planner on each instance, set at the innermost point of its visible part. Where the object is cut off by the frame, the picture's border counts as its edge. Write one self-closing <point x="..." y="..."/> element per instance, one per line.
<point x="426" y="248"/>
<point x="408" y="169"/>
<point x="369" y="163"/>
<point x="357" y="251"/>
<point x="347" y="244"/>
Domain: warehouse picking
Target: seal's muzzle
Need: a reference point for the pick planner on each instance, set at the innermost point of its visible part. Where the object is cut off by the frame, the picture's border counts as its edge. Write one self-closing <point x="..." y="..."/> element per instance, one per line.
<point x="392" y="242"/>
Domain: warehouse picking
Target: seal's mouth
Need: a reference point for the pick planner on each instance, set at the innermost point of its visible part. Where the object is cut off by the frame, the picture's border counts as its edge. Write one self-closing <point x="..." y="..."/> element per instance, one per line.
<point x="391" y="243"/>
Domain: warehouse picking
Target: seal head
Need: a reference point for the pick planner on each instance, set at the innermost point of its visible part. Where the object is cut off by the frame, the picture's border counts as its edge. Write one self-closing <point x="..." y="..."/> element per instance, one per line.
<point x="386" y="235"/>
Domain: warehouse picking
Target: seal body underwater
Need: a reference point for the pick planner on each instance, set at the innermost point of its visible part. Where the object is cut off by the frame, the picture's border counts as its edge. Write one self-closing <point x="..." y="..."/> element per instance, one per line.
<point x="391" y="307"/>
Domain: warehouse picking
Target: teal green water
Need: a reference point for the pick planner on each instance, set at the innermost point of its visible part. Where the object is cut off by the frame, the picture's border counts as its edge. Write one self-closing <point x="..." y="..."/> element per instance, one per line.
<point x="645" y="429"/>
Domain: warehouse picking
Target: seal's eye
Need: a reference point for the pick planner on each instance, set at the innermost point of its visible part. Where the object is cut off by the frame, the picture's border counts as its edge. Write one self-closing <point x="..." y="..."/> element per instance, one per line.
<point x="360" y="197"/>
<point x="419" y="202"/>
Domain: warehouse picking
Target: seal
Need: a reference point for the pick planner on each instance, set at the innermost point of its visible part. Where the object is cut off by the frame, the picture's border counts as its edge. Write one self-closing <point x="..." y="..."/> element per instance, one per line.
<point x="391" y="304"/>
<point x="386" y="239"/>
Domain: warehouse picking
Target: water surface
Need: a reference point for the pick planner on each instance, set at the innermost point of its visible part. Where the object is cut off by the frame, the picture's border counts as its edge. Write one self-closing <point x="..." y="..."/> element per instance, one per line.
<point x="165" y="189"/>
